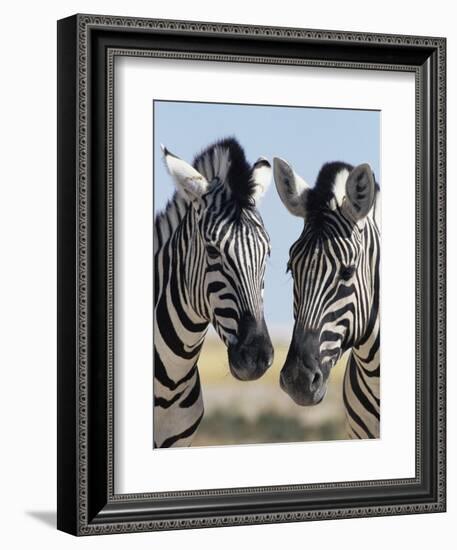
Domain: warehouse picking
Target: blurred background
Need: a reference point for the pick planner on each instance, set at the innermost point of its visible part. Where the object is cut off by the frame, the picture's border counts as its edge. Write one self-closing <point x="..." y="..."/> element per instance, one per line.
<point x="259" y="411"/>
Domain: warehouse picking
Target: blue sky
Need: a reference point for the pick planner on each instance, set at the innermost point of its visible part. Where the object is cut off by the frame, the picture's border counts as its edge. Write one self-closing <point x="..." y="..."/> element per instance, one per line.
<point x="306" y="137"/>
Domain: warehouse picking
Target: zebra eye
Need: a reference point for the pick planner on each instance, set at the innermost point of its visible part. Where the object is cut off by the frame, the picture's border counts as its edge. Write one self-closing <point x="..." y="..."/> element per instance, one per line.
<point x="347" y="272"/>
<point x="213" y="252"/>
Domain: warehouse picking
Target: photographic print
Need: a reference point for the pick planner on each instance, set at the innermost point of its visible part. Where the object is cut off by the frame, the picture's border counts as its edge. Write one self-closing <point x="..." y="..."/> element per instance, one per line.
<point x="266" y="313"/>
<point x="224" y="270"/>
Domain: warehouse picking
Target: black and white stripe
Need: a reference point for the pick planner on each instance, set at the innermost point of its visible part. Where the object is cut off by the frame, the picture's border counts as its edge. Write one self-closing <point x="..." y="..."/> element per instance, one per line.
<point x="335" y="267"/>
<point x="210" y="251"/>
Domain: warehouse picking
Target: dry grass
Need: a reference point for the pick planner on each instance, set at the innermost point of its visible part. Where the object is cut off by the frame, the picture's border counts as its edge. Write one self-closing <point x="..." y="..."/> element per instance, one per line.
<point x="259" y="411"/>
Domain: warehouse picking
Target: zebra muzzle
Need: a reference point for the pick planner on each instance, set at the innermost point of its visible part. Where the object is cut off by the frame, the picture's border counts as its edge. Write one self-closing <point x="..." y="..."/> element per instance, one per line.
<point x="303" y="377"/>
<point x="253" y="353"/>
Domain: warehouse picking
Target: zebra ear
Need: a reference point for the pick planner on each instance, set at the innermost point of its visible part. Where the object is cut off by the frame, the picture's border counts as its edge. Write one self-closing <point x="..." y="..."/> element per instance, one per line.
<point x="360" y="192"/>
<point x="188" y="181"/>
<point x="291" y="187"/>
<point x="261" y="177"/>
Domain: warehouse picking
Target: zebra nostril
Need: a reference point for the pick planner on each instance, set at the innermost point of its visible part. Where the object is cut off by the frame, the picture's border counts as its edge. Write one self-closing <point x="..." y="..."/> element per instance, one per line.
<point x="316" y="379"/>
<point x="283" y="379"/>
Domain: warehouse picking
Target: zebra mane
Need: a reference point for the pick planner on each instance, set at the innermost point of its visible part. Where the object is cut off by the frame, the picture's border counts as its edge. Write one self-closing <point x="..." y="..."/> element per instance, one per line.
<point x="168" y="219"/>
<point x="319" y="197"/>
<point x="225" y="159"/>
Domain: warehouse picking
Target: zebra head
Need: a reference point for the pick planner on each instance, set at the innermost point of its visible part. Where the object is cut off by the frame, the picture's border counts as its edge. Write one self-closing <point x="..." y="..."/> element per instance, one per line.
<point x="333" y="271"/>
<point x="228" y="249"/>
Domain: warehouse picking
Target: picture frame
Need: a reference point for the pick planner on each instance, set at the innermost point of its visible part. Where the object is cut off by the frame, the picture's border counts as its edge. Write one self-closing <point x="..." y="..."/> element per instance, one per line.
<point x="87" y="501"/>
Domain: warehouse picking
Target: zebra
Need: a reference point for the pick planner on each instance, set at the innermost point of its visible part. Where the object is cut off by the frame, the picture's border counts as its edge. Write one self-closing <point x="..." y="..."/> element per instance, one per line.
<point x="210" y="253"/>
<point x="335" y="269"/>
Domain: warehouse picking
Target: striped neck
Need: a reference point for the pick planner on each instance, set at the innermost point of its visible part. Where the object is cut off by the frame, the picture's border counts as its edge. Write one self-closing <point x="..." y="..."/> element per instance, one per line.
<point x="179" y="328"/>
<point x="361" y="391"/>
